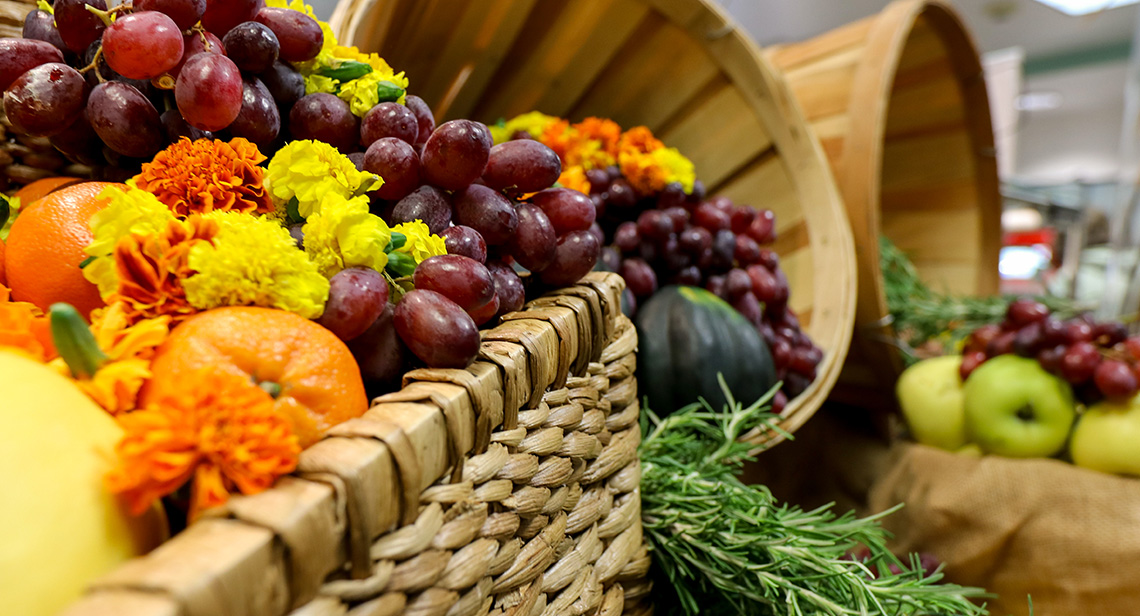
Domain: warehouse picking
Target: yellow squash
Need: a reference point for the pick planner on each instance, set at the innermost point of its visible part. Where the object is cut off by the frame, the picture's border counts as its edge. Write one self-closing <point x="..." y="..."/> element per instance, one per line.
<point x="59" y="526"/>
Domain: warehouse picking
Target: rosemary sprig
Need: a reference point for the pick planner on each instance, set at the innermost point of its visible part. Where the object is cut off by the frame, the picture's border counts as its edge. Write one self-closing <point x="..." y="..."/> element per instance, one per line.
<point x="920" y="315"/>
<point x="724" y="547"/>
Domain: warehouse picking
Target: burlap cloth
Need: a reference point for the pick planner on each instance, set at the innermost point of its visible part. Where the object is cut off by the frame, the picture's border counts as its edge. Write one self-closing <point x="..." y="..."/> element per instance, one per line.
<point x="1067" y="536"/>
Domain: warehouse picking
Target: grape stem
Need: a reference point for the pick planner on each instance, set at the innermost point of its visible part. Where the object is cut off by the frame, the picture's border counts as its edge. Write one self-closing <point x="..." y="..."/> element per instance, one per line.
<point x="108" y="15"/>
<point x="94" y="64"/>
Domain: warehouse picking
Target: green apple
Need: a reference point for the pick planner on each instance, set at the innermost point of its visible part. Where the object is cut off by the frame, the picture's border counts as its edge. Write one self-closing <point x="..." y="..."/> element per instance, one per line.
<point x="930" y="395"/>
<point x="1106" y="438"/>
<point x="1015" y="408"/>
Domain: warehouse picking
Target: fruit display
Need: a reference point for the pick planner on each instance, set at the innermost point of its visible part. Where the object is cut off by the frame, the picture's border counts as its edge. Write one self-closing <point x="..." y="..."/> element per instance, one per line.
<point x="659" y="228"/>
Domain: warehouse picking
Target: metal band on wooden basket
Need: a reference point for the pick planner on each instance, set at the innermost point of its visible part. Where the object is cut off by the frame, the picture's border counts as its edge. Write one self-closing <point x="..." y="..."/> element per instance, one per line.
<point x="510" y="487"/>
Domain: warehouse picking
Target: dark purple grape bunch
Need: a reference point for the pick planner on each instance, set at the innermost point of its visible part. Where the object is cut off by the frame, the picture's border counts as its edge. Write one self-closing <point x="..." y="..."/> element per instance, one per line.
<point x="210" y="65"/>
<point x="1098" y="358"/>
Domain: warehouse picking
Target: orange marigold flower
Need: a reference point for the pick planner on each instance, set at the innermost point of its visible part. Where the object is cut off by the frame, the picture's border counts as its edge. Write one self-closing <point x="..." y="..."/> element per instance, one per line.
<point x="638" y="139"/>
<point x="206" y="175"/>
<point x="221" y="432"/>
<point x="559" y="136"/>
<point x="25" y="327"/>
<point x="642" y="172"/>
<point x="575" y="177"/>
<point x="151" y="269"/>
<point x="606" y="132"/>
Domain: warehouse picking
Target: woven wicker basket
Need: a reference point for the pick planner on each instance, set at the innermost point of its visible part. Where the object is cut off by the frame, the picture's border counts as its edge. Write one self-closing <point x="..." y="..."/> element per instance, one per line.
<point x="510" y="487"/>
<point x="899" y="102"/>
<point x="680" y="67"/>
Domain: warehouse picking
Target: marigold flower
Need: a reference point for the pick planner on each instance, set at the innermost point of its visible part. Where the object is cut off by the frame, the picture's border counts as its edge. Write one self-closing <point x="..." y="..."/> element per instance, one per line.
<point x="130" y="211"/>
<point x="642" y="172"/>
<point x="26" y="328"/>
<point x="638" y="139"/>
<point x="675" y="166"/>
<point x="253" y="261"/>
<point x="151" y="269"/>
<point x="221" y="431"/>
<point x="342" y="233"/>
<point x="605" y="132"/>
<point x="533" y="123"/>
<point x="308" y="170"/>
<point x="197" y="177"/>
<point x="560" y="137"/>
<point x="575" y="177"/>
<point x="420" y="244"/>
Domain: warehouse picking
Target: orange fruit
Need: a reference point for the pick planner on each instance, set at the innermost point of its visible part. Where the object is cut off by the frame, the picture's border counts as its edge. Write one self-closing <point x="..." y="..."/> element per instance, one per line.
<point x="45" y="248"/>
<point x="320" y="383"/>
<point x="41" y="188"/>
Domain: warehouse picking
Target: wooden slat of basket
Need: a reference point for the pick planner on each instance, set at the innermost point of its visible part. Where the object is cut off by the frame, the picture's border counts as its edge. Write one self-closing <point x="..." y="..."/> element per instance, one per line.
<point x="544" y="511"/>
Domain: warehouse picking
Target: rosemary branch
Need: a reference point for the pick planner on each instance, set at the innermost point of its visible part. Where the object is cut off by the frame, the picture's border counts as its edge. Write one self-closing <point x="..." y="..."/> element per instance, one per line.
<point x="724" y="547"/>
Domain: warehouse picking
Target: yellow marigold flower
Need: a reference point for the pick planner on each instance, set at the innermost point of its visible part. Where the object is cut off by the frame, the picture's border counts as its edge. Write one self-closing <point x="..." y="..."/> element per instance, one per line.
<point x="534" y="123"/>
<point x="342" y="233"/>
<point x="362" y="94"/>
<point x="676" y="167"/>
<point x="575" y="177"/>
<point x="420" y="244"/>
<point x="196" y="177"/>
<point x="253" y="261"/>
<point x="221" y="431"/>
<point x="130" y="211"/>
<point x="316" y="83"/>
<point x="642" y="172"/>
<point x="309" y="170"/>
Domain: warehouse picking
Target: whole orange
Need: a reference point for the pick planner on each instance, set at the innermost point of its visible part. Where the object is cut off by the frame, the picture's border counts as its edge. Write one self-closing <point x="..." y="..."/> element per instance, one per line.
<point x="41" y="188"/>
<point x="319" y="381"/>
<point x="45" y="248"/>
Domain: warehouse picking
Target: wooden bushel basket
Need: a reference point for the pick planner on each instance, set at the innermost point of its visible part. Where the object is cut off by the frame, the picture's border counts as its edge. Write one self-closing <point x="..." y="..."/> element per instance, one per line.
<point x="898" y="102"/>
<point x="510" y="487"/>
<point x="679" y="67"/>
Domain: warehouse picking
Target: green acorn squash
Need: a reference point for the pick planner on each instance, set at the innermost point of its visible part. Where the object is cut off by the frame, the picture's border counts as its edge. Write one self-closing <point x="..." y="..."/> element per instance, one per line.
<point x="686" y="336"/>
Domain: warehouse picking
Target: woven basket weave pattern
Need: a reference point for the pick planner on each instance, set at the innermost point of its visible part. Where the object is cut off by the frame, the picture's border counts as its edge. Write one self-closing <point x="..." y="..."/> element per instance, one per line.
<point x="510" y="487"/>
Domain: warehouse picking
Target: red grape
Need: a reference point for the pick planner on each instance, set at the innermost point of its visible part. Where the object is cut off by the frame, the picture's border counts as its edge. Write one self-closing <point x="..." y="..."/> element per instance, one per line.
<point x="568" y="210"/>
<point x="981" y="338"/>
<point x="194" y="44"/>
<point x="1027" y="340"/>
<point x="388" y="120"/>
<point x="209" y="91"/>
<point x="769" y="259"/>
<point x="426" y="203"/>
<point x="259" y="120"/>
<point x="287" y="86"/>
<point x="508" y="287"/>
<point x="461" y="279"/>
<point x="125" y="120"/>
<point x="1115" y="379"/>
<point x="221" y="16"/>
<point x="486" y="312"/>
<point x="1080" y="362"/>
<point x="763" y="227"/>
<point x="524" y="166"/>
<point x="736" y="283"/>
<point x="639" y="277"/>
<point x="679" y="216"/>
<point x="79" y="142"/>
<point x="534" y="241"/>
<point x="40" y="26"/>
<point x="717" y="285"/>
<point x="611" y="257"/>
<point x="1002" y="344"/>
<point x="576" y="255"/>
<point x="671" y="195"/>
<point x="711" y="217"/>
<point x="741" y="218"/>
<point x="748" y="306"/>
<point x="1052" y="331"/>
<point x="17" y="56"/>
<point x="1077" y="330"/>
<point x="176" y="127"/>
<point x="380" y="352"/>
<point x="1132" y="345"/>
<point x="300" y="36"/>
<point x="252" y="46"/>
<point x="804" y="360"/>
<point x="779" y="401"/>
<point x="764" y="283"/>
<point x="1023" y="311"/>
<point x="185" y="13"/>
<point x="455" y="155"/>
<point x="695" y="240"/>
<point x="436" y="329"/>
<point x="1050" y="358"/>
<point x="78" y="26"/>
<point x="397" y="163"/>
<point x="423" y="116"/>
<point x="486" y="211"/>
<point x="465" y="241"/>
<point x="46" y="99"/>
<point x="1109" y="333"/>
<point x="324" y="117"/>
<point x="626" y="237"/>
<point x="675" y="259"/>
<point x="357" y="296"/>
<point x="970" y="362"/>
<point x="781" y="352"/>
<point x="747" y="250"/>
<point x="654" y="225"/>
<point x="142" y="45"/>
<point x="723" y="249"/>
<point x="596" y="229"/>
<point x="621" y="194"/>
<point x="599" y="180"/>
